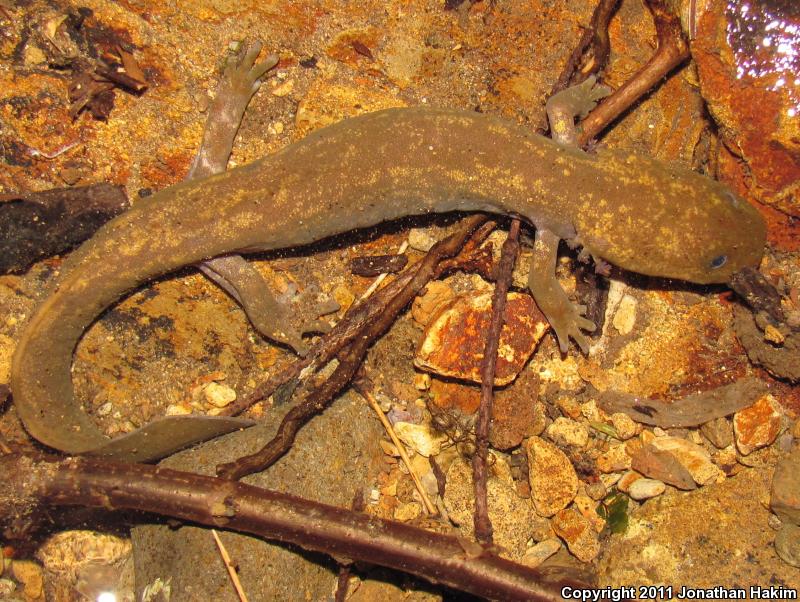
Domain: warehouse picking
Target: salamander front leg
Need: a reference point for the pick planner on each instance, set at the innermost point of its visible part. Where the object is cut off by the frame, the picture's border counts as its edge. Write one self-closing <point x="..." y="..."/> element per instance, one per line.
<point x="565" y="317"/>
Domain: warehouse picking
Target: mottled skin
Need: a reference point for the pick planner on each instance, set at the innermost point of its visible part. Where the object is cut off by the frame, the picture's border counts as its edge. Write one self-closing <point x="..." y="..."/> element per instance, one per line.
<point x="629" y="210"/>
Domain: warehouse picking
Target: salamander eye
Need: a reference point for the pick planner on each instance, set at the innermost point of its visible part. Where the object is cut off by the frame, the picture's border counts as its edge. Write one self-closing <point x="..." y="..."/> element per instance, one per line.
<point x="718" y="262"/>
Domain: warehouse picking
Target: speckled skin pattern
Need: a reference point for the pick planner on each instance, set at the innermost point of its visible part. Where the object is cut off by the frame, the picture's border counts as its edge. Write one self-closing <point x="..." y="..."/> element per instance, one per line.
<point x="629" y="210"/>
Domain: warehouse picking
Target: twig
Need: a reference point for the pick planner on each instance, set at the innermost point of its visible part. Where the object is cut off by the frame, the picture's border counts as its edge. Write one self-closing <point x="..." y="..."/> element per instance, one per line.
<point x="35" y="483"/>
<point x="483" y="526"/>
<point x="362" y="389"/>
<point x="349" y="359"/>
<point x="237" y="585"/>
<point x="672" y="50"/>
<point x="377" y="282"/>
<point x="593" y="47"/>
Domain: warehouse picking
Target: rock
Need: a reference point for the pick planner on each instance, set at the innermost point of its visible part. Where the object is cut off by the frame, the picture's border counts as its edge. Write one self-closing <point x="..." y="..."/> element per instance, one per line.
<point x="614" y="460"/>
<point x="662" y="465"/>
<point x="627" y="479"/>
<point x="84" y="564"/>
<point x="625" y="317"/>
<point x="422" y="438"/>
<point x="513" y="518"/>
<point x="29" y="574"/>
<point x="588" y="509"/>
<point x="421" y="239"/>
<point x="536" y="555"/>
<point x="597" y="491"/>
<point x="516" y="412"/>
<point x="739" y="73"/>
<point x="219" y="395"/>
<point x="453" y="342"/>
<point x="564" y="431"/>
<point x="569" y="406"/>
<point x="787" y="544"/>
<point x="757" y="426"/>
<point x="554" y="483"/>
<point x="625" y="426"/>
<point x="644" y="489"/>
<point x="426" y="307"/>
<point x="578" y="533"/>
<point x="785" y="490"/>
<point x="694" y="458"/>
<point x="7" y="587"/>
<point x="719" y="431"/>
<point x="408" y="511"/>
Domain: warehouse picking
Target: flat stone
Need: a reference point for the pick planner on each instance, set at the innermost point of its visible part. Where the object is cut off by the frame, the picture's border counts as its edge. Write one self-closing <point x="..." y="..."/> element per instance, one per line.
<point x="422" y="438"/>
<point x="578" y="533"/>
<point x="614" y="460"/>
<point x="565" y="431"/>
<point x="554" y="483"/>
<point x="536" y="555"/>
<point x="453" y="342"/>
<point x="785" y="490"/>
<point x="644" y="489"/>
<point x="719" y="431"/>
<point x="694" y="458"/>
<point x="787" y="544"/>
<point x="757" y="426"/>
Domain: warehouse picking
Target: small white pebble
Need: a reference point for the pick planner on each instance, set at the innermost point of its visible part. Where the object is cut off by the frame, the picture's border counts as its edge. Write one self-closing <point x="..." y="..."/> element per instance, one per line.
<point x="219" y="395"/>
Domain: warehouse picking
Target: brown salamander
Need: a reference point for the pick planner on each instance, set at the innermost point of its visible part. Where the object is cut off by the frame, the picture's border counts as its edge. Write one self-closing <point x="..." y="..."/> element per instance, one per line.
<point x="629" y="210"/>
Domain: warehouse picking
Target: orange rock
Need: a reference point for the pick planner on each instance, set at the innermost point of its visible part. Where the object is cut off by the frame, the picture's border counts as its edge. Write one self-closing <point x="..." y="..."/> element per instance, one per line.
<point x="758" y="425"/>
<point x="454" y="341"/>
<point x="577" y="533"/>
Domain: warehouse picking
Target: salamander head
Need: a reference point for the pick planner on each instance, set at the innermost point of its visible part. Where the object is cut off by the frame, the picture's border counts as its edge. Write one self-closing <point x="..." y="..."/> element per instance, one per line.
<point x="688" y="227"/>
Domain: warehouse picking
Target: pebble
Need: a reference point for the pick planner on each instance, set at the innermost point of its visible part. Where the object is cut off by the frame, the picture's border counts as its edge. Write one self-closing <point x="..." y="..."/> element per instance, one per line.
<point x="552" y="477"/>
<point x="29" y="574"/>
<point x="627" y="479"/>
<point x="437" y="295"/>
<point x="787" y="544"/>
<point x="407" y="512"/>
<point x="625" y="317"/>
<point x="588" y="509"/>
<point x="644" y="489"/>
<point x="178" y="409"/>
<point x="537" y="554"/>
<point x="420" y="239"/>
<point x="757" y="426"/>
<point x="694" y="458"/>
<point x="219" y="395"/>
<point x="284" y="89"/>
<point x="597" y="490"/>
<point x="615" y="459"/>
<point x="719" y="431"/>
<point x="564" y="431"/>
<point x="625" y="426"/>
<point x="420" y="437"/>
<point x="569" y="406"/>
<point x="7" y="587"/>
<point x="785" y="490"/>
<point x="578" y="533"/>
<point x="105" y="409"/>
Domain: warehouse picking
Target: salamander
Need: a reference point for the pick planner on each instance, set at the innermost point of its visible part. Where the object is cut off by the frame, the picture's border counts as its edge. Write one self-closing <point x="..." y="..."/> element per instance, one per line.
<point x="629" y="210"/>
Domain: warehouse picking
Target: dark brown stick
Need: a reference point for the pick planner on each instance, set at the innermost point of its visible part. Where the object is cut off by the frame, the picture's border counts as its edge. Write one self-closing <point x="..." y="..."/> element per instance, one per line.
<point x="591" y="53"/>
<point x="350" y="359"/>
<point x="672" y="50"/>
<point x="483" y="526"/>
<point x="30" y="483"/>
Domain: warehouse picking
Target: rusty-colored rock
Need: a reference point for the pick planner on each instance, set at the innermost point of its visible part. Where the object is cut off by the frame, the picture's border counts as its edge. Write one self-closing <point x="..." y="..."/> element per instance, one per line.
<point x="757" y="426"/>
<point x="454" y="340"/>
<point x="746" y="56"/>
<point x="577" y="533"/>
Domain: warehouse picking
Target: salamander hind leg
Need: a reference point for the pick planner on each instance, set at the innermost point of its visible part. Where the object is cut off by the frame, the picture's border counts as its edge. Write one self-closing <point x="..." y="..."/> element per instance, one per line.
<point x="565" y="317"/>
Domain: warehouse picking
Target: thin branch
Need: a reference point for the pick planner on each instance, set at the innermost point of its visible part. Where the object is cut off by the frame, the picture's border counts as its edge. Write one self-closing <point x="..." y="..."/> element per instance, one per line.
<point x="32" y="484"/>
<point x="672" y="51"/>
<point x="591" y="53"/>
<point x="508" y="255"/>
<point x="226" y="559"/>
<point x="363" y="389"/>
